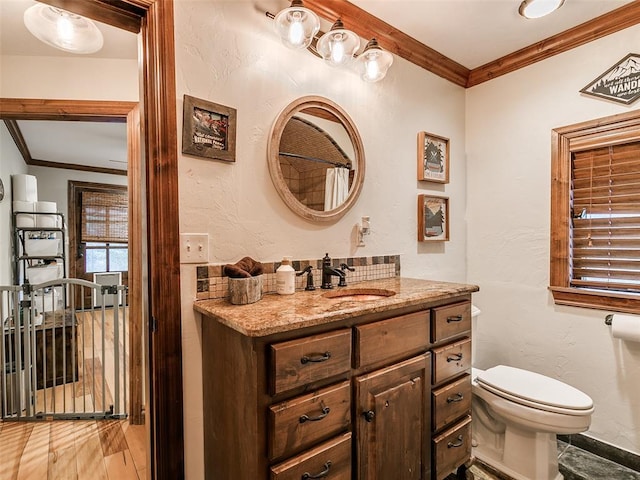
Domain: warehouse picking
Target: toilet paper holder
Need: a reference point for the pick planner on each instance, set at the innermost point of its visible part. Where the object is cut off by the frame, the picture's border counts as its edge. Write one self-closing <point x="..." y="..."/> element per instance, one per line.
<point x="608" y="320"/>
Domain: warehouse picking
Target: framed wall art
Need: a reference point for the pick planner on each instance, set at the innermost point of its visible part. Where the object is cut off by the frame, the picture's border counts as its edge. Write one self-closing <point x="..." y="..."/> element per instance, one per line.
<point x="433" y="218"/>
<point x="433" y="158"/>
<point x="208" y="129"/>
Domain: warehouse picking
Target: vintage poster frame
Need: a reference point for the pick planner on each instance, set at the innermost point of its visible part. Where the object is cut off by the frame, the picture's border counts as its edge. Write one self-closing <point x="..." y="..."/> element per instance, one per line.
<point x="425" y="226"/>
<point x="203" y="140"/>
<point x="429" y="145"/>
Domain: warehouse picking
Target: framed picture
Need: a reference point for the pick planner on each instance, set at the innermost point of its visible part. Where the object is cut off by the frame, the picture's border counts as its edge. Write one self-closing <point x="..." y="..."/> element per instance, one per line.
<point x="208" y="129"/>
<point x="433" y="218"/>
<point x="433" y="158"/>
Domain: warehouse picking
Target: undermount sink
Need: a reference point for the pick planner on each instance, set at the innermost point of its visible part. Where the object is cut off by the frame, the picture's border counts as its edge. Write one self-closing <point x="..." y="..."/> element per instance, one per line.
<point x="359" y="294"/>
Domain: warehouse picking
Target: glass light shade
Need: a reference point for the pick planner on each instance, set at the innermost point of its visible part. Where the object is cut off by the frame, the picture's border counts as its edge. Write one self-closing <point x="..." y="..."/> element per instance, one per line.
<point x="374" y="62"/>
<point x="338" y="45"/>
<point x="538" y="8"/>
<point x="64" y="30"/>
<point x="297" y="25"/>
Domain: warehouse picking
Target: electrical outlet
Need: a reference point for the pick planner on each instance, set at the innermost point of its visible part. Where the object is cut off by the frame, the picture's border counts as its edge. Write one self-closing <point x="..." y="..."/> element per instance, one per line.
<point x="194" y="248"/>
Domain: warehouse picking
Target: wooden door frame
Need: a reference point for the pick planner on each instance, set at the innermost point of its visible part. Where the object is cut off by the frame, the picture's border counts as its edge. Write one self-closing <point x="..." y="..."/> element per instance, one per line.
<point x="153" y="20"/>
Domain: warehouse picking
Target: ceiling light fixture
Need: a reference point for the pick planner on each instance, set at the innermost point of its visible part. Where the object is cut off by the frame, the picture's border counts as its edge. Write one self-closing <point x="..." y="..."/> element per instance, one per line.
<point x="538" y="8"/>
<point x="297" y="25"/>
<point x="64" y="30"/>
<point x="338" y="45"/>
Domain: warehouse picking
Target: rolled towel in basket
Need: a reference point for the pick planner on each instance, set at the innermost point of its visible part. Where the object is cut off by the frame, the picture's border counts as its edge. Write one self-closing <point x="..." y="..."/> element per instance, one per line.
<point x="244" y="268"/>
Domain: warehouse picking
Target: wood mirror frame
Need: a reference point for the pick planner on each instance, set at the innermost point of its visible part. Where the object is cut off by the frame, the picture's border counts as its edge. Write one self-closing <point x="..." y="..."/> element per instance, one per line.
<point x="333" y="109"/>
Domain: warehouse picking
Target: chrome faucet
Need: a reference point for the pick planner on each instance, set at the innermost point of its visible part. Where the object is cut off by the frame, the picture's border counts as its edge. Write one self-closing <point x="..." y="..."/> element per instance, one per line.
<point x="329" y="271"/>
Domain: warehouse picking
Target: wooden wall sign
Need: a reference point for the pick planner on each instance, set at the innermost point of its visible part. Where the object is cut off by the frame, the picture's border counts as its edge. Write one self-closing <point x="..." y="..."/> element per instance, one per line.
<point x="621" y="83"/>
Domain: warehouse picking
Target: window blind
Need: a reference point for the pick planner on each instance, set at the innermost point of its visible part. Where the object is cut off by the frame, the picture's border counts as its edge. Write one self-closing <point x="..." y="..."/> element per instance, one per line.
<point x="605" y="230"/>
<point x="104" y="217"/>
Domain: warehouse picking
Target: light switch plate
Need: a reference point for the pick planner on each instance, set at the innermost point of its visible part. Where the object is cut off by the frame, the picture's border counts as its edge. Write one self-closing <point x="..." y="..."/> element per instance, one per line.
<point x="194" y="248"/>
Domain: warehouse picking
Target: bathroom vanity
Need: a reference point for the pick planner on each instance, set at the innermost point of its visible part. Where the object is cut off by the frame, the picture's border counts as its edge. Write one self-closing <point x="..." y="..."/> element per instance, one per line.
<point x="368" y="382"/>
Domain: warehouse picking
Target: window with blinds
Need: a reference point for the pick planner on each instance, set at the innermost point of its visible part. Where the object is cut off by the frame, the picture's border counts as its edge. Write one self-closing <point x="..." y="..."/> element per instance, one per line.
<point x="595" y="214"/>
<point x="605" y="231"/>
<point x="104" y="217"/>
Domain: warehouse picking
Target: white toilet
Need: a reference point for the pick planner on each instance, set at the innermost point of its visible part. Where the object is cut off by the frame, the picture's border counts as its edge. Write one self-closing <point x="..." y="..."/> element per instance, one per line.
<point x="517" y="415"/>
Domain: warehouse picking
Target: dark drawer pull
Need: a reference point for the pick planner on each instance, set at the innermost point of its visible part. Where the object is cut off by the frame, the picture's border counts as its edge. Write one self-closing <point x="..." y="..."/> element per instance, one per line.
<point x="456" y="444"/>
<point x="323" y="357"/>
<point x="322" y="474"/>
<point x="455" y="318"/>
<point x="307" y="418"/>
<point x="454" y="358"/>
<point x="455" y="398"/>
<point x="369" y="415"/>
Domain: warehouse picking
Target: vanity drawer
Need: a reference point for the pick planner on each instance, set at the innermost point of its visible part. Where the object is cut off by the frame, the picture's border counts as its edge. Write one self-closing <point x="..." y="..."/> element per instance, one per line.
<point x="451" y="360"/>
<point x="309" y="359"/>
<point x="452" y="448"/>
<point x="393" y="338"/>
<point x="450" y="321"/>
<point x="333" y="458"/>
<point x="302" y="421"/>
<point x="451" y="402"/>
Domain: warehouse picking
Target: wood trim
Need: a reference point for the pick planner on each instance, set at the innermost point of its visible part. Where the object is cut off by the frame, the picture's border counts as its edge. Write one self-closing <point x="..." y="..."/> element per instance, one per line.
<point x="612" y="22"/>
<point x="621" y="128"/>
<point x="390" y="38"/>
<point x="136" y="260"/>
<point x="18" y="139"/>
<point x="165" y="345"/>
<point x="75" y="166"/>
<point x="80" y="110"/>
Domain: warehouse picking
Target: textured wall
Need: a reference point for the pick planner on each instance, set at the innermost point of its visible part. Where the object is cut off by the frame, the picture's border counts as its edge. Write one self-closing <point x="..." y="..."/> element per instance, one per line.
<point x="228" y="53"/>
<point x="509" y="122"/>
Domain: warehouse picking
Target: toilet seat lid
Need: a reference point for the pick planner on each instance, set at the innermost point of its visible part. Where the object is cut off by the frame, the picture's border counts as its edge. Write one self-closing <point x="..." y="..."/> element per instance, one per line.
<point x="533" y="389"/>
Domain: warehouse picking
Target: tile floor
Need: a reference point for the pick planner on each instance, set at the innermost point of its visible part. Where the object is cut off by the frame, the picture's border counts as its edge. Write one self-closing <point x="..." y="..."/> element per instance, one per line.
<point x="575" y="464"/>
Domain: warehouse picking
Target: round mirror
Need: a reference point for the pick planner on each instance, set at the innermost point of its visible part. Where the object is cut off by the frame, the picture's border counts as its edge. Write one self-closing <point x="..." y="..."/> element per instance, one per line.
<point x="316" y="158"/>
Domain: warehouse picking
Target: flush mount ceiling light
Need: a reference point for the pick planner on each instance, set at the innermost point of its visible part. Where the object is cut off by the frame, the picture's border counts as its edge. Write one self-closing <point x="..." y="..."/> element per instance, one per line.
<point x="338" y="45"/>
<point x="64" y="30"/>
<point x="538" y="8"/>
<point x="297" y="25"/>
<point x="374" y="62"/>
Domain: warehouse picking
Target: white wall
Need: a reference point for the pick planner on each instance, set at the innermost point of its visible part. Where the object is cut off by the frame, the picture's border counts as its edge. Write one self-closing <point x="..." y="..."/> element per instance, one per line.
<point x="508" y="132"/>
<point x="11" y="163"/>
<point x="228" y="53"/>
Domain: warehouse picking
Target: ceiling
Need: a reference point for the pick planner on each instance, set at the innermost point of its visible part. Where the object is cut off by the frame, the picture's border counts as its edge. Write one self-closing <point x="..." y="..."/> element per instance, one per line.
<point x="469" y="32"/>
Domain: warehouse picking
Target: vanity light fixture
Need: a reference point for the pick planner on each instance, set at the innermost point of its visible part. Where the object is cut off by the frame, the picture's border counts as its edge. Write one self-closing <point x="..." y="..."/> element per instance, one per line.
<point x="297" y="25"/>
<point x="538" y="8"/>
<point x="63" y="30"/>
<point x="374" y="62"/>
<point x="338" y="45"/>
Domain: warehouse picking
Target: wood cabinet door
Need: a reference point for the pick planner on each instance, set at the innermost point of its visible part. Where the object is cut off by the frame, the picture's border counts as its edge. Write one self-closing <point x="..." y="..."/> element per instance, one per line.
<point x="393" y="422"/>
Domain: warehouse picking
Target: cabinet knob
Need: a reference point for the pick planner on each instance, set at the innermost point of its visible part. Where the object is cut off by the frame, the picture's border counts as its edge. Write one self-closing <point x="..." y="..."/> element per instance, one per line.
<point x="369" y="415"/>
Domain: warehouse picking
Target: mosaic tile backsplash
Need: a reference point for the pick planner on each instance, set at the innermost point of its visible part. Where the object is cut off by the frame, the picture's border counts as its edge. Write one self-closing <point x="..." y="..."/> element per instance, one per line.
<point x="212" y="283"/>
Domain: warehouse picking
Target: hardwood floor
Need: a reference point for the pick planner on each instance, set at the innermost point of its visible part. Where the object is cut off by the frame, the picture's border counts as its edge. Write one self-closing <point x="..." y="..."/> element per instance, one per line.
<point x="78" y="449"/>
<point x="69" y="450"/>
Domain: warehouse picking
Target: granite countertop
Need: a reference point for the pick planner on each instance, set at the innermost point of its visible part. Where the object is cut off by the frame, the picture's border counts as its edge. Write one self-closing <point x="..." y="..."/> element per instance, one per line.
<point x="282" y="313"/>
